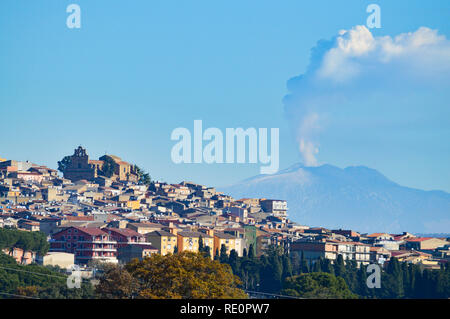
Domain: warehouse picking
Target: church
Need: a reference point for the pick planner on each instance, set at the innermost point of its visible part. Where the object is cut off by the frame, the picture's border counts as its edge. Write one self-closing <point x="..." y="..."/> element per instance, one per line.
<point x="81" y="167"/>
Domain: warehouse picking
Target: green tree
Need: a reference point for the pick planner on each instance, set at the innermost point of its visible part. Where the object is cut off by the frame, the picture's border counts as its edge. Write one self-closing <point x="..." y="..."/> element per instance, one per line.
<point x="217" y="254"/>
<point x="287" y="266"/>
<point x="200" y="244"/>
<point x="64" y="163"/>
<point x="393" y="279"/>
<point x="339" y="266"/>
<point x="223" y="254"/>
<point x="143" y="177"/>
<point x="317" y="266"/>
<point x="108" y="167"/>
<point x="303" y="264"/>
<point x="251" y="251"/>
<point x="317" y="285"/>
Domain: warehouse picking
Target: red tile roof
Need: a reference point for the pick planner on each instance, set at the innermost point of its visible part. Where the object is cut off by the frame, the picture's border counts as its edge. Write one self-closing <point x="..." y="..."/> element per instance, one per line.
<point x="418" y="239"/>
<point x="124" y="232"/>
<point x="93" y="231"/>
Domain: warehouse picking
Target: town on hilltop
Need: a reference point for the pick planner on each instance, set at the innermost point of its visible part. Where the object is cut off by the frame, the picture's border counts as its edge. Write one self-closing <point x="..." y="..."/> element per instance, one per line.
<point x="108" y="210"/>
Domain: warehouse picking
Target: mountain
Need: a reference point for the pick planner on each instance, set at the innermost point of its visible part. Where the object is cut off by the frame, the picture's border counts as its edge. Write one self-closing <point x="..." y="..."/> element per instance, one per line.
<point x="357" y="197"/>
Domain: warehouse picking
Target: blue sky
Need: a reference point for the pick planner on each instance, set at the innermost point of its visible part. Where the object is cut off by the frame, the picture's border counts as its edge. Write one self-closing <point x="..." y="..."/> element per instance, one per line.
<point x="137" y="70"/>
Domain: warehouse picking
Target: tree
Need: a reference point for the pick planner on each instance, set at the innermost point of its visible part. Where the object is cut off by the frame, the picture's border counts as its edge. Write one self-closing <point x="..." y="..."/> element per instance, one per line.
<point x="251" y="251"/>
<point x="117" y="283"/>
<point x="108" y="167"/>
<point x="216" y="254"/>
<point x="303" y="264"/>
<point x="223" y="254"/>
<point x="393" y="279"/>
<point x="327" y="266"/>
<point x="38" y="281"/>
<point x="317" y="285"/>
<point x="30" y="241"/>
<point x="317" y="266"/>
<point x="200" y="244"/>
<point x="339" y="266"/>
<point x="143" y="177"/>
<point x="233" y="260"/>
<point x="64" y="163"/>
<point x="287" y="266"/>
<point x="295" y="262"/>
<point x="186" y="275"/>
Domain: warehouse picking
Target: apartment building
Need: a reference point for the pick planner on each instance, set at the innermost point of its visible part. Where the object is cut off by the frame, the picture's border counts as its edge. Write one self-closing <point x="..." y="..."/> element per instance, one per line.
<point x="125" y="236"/>
<point x="275" y="207"/>
<point x="330" y="249"/>
<point x="162" y="240"/>
<point x="189" y="240"/>
<point x="86" y="243"/>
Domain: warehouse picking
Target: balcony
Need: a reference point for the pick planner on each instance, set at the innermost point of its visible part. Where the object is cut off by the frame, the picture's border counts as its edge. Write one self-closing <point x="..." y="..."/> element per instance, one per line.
<point x="98" y="242"/>
<point x="97" y="249"/>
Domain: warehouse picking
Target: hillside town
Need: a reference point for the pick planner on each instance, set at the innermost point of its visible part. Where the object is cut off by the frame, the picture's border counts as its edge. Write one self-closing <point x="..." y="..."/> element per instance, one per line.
<point x="105" y="211"/>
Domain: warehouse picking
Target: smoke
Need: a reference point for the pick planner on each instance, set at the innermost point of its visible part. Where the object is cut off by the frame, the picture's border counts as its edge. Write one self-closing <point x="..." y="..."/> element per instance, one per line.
<point x="354" y="66"/>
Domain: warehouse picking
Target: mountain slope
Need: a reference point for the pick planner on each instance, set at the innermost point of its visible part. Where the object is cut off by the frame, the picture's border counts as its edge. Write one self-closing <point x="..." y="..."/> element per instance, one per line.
<point x="358" y="197"/>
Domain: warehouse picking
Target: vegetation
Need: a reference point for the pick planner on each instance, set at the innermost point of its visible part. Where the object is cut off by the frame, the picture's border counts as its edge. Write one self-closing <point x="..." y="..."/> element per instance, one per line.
<point x="143" y="177"/>
<point x="30" y="241"/>
<point x="64" y="163"/>
<point x="107" y="167"/>
<point x="34" y="281"/>
<point x="317" y="285"/>
<point x="279" y="272"/>
<point x="195" y="275"/>
<point x="184" y="275"/>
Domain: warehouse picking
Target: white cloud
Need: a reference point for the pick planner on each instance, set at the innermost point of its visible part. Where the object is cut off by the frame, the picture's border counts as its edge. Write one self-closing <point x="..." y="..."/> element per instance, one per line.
<point x="355" y="62"/>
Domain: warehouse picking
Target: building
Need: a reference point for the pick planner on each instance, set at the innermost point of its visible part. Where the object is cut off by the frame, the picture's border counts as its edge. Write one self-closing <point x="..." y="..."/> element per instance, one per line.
<point x="347" y="233"/>
<point x="240" y="212"/>
<point x="129" y="252"/>
<point x="424" y="243"/>
<point x="313" y="250"/>
<point x="274" y="207"/>
<point x="29" y="225"/>
<point x="123" y="171"/>
<point x="80" y="167"/>
<point x="379" y="254"/>
<point x="60" y="259"/>
<point x="86" y="243"/>
<point x="163" y="241"/>
<point x="189" y="240"/>
<point x="144" y="228"/>
<point x="379" y="237"/>
<point x="125" y="236"/>
<point x="330" y="249"/>
<point x="229" y="241"/>
<point x="24" y="257"/>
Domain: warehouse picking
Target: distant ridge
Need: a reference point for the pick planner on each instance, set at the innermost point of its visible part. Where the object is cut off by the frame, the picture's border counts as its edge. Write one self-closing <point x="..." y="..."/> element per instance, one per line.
<point x="355" y="197"/>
